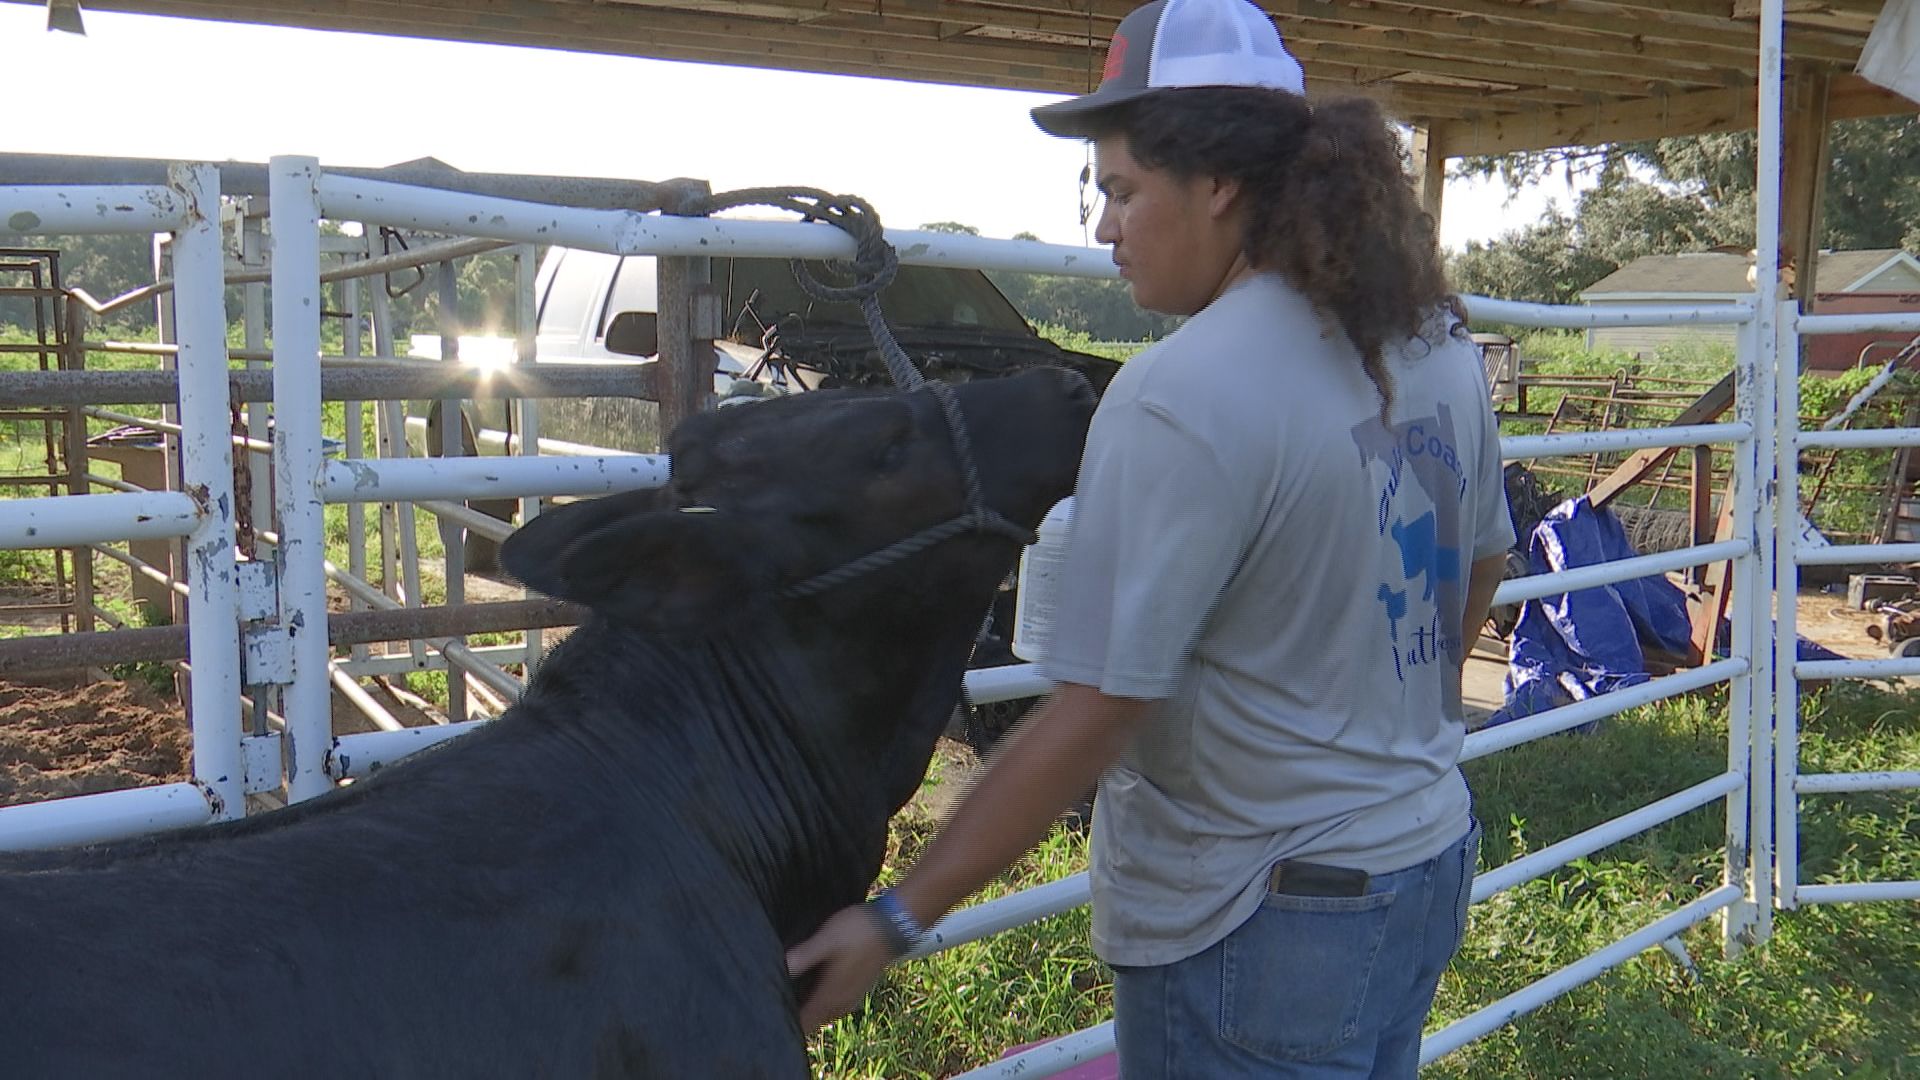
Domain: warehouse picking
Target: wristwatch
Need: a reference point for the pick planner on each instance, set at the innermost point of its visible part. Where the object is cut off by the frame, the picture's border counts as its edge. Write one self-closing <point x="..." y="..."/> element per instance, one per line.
<point x="904" y="933"/>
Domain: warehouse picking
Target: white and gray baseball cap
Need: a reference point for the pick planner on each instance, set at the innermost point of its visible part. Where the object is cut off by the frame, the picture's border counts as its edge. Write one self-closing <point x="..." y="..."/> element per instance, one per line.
<point x="1181" y="43"/>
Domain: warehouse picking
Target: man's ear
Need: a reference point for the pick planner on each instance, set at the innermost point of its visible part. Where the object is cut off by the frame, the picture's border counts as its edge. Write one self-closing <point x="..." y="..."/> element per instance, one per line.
<point x="1224" y="196"/>
<point x="667" y="570"/>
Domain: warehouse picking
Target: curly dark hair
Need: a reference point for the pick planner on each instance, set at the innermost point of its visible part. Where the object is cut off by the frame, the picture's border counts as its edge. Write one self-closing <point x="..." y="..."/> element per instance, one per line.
<point x="1330" y="205"/>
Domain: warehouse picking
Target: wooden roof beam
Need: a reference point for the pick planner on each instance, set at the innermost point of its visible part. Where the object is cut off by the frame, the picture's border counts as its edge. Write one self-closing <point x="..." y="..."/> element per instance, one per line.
<point x="1294" y="14"/>
<point x="1495" y="73"/>
<point x="1422" y="46"/>
<point x="1849" y="97"/>
<point x="1723" y="33"/>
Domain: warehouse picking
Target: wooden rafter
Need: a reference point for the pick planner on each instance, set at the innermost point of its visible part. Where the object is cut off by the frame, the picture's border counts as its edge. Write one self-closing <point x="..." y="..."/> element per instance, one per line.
<point x="1850" y="97"/>
<point x="1490" y="75"/>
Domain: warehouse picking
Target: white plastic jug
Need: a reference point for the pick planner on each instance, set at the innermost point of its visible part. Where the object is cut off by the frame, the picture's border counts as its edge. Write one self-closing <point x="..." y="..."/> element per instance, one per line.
<point x="1039" y="586"/>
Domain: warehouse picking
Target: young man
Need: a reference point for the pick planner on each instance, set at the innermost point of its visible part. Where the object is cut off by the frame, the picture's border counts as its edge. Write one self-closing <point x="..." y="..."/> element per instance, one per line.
<point x="1289" y="525"/>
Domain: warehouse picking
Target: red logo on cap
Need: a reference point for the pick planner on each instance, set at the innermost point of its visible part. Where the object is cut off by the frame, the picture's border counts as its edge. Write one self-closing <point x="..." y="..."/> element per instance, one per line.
<point x="1116" y="59"/>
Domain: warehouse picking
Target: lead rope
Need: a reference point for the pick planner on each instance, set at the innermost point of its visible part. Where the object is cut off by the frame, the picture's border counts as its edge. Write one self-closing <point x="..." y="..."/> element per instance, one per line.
<point x="875" y="263"/>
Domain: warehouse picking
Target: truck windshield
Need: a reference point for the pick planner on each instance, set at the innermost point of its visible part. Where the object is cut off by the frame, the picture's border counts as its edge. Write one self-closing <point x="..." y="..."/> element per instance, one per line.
<point x="920" y="296"/>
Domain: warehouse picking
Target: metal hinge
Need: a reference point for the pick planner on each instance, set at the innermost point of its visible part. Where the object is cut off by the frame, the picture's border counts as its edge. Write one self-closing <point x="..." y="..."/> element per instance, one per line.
<point x="259" y="590"/>
<point x="260" y="755"/>
<point x="267" y="652"/>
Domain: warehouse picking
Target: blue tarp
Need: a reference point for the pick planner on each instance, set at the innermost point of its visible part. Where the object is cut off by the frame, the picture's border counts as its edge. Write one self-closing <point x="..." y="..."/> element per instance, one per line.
<point x="1574" y="646"/>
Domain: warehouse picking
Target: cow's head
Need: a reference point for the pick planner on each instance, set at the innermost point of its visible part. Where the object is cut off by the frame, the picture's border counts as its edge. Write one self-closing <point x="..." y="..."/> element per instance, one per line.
<point x="855" y="679"/>
<point x="767" y="497"/>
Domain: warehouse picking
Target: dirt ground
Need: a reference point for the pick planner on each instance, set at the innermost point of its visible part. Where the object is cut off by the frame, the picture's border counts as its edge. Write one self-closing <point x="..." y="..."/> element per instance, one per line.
<point x="68" y="737"/>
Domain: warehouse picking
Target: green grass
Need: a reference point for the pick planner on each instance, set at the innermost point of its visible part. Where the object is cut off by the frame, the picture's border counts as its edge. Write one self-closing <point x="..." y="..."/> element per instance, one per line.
<point x="1081" y="341"/>
<point x="1835" y="993"/>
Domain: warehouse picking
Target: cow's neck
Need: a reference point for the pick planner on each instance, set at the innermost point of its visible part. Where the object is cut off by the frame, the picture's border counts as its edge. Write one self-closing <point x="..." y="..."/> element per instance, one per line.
<point x="785" y="743"/>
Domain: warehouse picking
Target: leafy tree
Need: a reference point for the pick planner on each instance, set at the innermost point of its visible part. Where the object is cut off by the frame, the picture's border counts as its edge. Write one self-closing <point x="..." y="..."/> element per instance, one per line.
<point x="1697" y="192"/>
<point x="105" y="266"/>
<point x="1543" y="263"/>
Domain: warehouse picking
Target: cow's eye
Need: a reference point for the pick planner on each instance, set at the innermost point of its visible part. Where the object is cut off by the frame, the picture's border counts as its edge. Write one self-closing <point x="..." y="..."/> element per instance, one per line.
<point x="892" y="456"/>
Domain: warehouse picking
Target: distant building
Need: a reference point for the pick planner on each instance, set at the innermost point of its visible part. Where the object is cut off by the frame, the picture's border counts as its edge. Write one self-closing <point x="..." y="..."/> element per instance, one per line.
<point x="1849" y="282"/>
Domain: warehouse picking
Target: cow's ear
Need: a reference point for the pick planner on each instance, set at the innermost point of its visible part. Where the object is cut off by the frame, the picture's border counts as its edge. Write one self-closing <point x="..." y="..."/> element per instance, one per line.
<point x="663" y="569"/>
<point x="532" y="554"/>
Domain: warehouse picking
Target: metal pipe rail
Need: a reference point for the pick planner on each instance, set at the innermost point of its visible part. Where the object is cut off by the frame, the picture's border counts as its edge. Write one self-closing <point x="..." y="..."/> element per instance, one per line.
<point x="50" y="521"/>
<point x="626" y="232"/>
<point x="354" y="757"/>
<point x="1049" y="1058"/>
<point x="1094" y="1042"/>
<point x="1854" y="554"/>
<point x="1905" y="322"/>
<point x="376" y="666"/>
<point x="164" y="428"/>
<point x="251" y="178"/>
<point x="1535" y="586"/>
<point x="1554" y="856"/>
<point x="350" y="688"/>
<point x="92" y="209"/>
<point x="1517" y="447"/>
<point x="469" y="519"/>
<point x="418" y="480"/>
<point x="1528" y="998"/>
<point x="64" y="652"/>
<point x="143" y="568"/>
<point x="357" y="754"/>
<point x="339" y="381"/>
<point x="1836" y="783"/>
<point x="1893" y="667"/>
<point x="456" y="652"/>
<point x="379" y="264"/>
<point x="1562" y="317"/>
<point x="1857" y="892"/>
<point x="108" y="815"/>
<point x="1858" y="439"/>
<point x="1492" y="740"/>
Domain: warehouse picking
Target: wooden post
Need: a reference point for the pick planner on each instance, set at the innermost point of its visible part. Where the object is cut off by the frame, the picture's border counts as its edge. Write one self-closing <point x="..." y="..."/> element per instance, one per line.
<point x="1803" y="168"/>
<point x="1429" y="171"/>
<point x="1715" y="589"/>
<point x="689" y="321"/>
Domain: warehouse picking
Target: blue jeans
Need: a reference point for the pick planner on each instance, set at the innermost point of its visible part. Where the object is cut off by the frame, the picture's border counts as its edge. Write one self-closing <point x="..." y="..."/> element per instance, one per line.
<point x="1309" y="987"/>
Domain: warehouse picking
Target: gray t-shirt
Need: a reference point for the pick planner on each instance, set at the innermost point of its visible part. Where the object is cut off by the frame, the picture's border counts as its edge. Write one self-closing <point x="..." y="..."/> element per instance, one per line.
<point x="1285" y="576"/>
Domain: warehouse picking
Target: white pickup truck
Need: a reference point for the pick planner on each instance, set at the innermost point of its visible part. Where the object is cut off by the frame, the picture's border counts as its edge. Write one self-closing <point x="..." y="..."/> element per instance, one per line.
<point x="598" y="308"/>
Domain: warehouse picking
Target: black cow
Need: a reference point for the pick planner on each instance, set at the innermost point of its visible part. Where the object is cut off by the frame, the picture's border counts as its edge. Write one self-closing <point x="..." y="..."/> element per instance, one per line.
<point x="603" y="881"/>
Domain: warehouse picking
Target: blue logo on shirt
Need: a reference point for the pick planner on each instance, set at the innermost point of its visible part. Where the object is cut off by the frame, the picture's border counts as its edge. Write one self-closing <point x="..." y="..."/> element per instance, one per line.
<point x="1423" y="521"/>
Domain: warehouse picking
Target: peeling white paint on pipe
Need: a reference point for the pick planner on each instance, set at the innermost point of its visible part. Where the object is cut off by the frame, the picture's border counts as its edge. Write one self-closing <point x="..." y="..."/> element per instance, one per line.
<point x="55" y="209"/>
<point x="423" y="479"/>
<point x="206" y="450"/>
<point x="1569" y="317"/>
<point x="109" y="815"/>
<point x="1899" y="322"/>
<point x="297" y="459"/>
<point x="50" y="521"/>
<point x="1516" y="447"/>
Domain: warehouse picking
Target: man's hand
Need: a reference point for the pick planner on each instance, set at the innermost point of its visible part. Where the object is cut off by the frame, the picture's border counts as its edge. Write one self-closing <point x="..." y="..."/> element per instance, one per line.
<point x="847" y="955"/>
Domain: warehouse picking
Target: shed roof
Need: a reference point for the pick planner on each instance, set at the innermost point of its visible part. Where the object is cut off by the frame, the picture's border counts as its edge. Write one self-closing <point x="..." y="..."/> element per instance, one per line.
<point x="1713" y="273"/>
<point x="1491" y="75"/>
